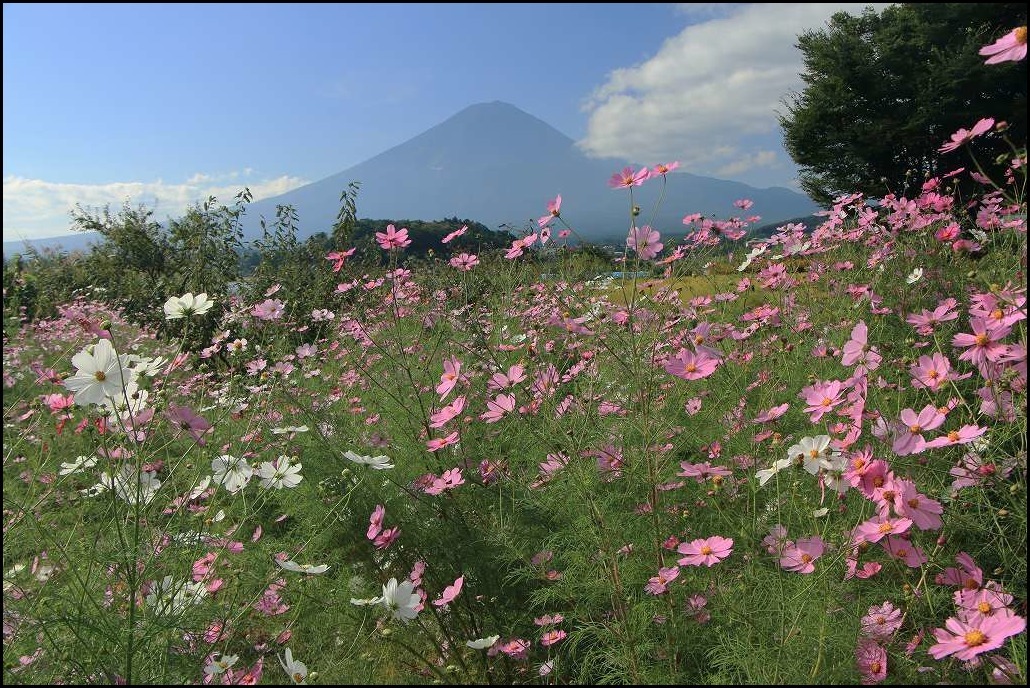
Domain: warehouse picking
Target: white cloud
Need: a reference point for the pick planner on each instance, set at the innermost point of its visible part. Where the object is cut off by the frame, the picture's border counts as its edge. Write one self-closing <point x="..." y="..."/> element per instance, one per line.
<point x="709" y="97"/>
<point x="35" y="209"/>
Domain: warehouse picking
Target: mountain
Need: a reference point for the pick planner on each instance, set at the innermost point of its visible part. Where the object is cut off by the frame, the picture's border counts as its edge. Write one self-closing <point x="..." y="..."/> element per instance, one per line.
<point x="498" y="165"/>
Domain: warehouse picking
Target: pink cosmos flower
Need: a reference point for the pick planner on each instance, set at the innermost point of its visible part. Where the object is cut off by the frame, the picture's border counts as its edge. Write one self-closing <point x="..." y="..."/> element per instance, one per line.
<point x="702" y="471"/>
<point x="975" y="605"/>
<point x="962" y="136"/>
<point x="185" y="418"/>
<point x="967" y="639"/>
<point x="904" y="550"/>
<point x="659" y="584"/>
<point x="499" y="381"/>
<point x="924" y="321"/>
<point x="339" y="258"/>
<point x="450" y="592"/>
<point x="743" y="203"/>
<point x="705" y="551"/>
<point x="392" y="238"/>
<point x="964" y="435"/>
<point x="882" y="621"/>
<point x="772" y="414"/>
<point x="876" y="529"/>
<point x="924" y="512"/>
<point x="387" y="537"/>
<point x="450" y="377"/>
<point x="552" y="636"/>
<point x="628" y="178"/>
<point x="910" y="439"/>
<point x="776" y="542"/>
<point x="455" y="234"/>
<point x="553" y="211"/>
<point x="857" y="349"/>
<point x="464" y="261"/>
<point x="799" y="558"/>
<point x="984" y="345"/>
<point x="447" y="413"/>
<point x="438" y="443"/>
<point x="375" y="522"/>
<point x="967" y="575"/>
<point x="930" y="372"/>
<point x="1009" y="48"/>
<point x="498" y="407"/>
<point x="871" y="659"/>
<point x="269" y="309"/>
<point x="690" y="366"/>
<point x="644" y="241"/>
<point x="662" y="169"/>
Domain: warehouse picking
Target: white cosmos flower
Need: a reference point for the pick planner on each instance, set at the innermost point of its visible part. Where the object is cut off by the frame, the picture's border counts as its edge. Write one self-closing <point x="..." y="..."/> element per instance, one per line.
<point x="218" y="666"/>
<point x="290" y="428"/>
<point x="231" y="473"/>
<point x="914" y="276"/>
<point x="483" y="643"/>
<point x="170" y="596"/>
<point x="379" y="463"/>
<point x="766" y="473"/>
<point x="401" y="599"/>
<point x="130" y="485"/>
<point x="294" y="668"/>
<point x="280" y="473"/>
<point x="291" y="565"/>
<point x="365" y="603"/>
<point x="100" y="374"/>
<point x="187" y="305"/>
<point x="80" y="463"/>
<point x="814" y="452"/>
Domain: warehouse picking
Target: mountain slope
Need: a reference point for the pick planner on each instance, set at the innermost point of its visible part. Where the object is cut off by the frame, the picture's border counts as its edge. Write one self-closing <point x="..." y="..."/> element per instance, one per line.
<point x="496" y="164"/>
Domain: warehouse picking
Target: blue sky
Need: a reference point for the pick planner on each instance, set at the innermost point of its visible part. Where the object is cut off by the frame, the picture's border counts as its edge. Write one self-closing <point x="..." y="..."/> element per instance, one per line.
<point x="167" y="104"/>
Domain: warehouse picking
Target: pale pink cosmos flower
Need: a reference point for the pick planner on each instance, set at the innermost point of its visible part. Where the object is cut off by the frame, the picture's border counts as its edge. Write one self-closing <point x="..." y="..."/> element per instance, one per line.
<point x="455" y="234"/>
<point x="339" y="258"/>
<point x="876" y="529"/>
<point x="925" y="320"/>
<point x="962" y="136"/>
<point x="871" y="659"/>
<point x="776" y="542"/>
<point x="910" y="439"/>
<point x="799" y="558"/>
<point x="882" y="621"/>
<point x="707" y="552"/>
<point x="450" y="592"/>
<point x="930" y="372"/>
<point x="628" y="178"/>
<point x="857" y="350"/>
<point x="1009" y="48"/>
<point x="464" y="261"/>
<point x="702" y="471"/>
<point x="967" y="575"/>
<point x="984" y="345"/>
<point x="499" y="381"/>
<point x="555" y="635"/>
<point x="771" y="414"/>
<point x="645" y="241"/>
<point x="553" y="211"/>
<point x="822" y="397"/>
<point x="689" y="366"/>
<point x="662" y="169"/>
<point x="269" y="309"/>
<point x="375" y="522"/>
<point x="659" y="584"/>
<point x="450" y="377"/>
<point x="387" y="537"/>
<point x="924" y="512"/>
<point x="498" y="407"/>
<point x="967" y="639"/>
<point x="392" y="238"/>
<point x="964" y="435"/>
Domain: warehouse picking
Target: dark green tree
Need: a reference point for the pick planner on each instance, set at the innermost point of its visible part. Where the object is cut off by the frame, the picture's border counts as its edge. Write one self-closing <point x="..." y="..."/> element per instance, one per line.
<point x="884" y="90"/>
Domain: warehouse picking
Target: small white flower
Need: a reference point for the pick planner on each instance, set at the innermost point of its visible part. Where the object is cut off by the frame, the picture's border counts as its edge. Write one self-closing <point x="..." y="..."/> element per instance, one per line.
<point x="379" y="463"/>
<point x="100" y="374"/>
<point x="294" y="668"/>
<point x="219" y="664"/>
<point x="290" y="428"/>
<point x="169" y="596"/>
<point x="291" y="565"/>
<point x="186" y="305"/>
<point x="365" y="603"/>
<point x="819" y="513"/>
<point x="483" y="643"/>
<point x="914" y="276"/>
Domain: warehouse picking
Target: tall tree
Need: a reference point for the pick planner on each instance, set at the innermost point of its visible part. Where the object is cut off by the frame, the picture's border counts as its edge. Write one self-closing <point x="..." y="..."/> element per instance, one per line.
<point x="884" y="90"/>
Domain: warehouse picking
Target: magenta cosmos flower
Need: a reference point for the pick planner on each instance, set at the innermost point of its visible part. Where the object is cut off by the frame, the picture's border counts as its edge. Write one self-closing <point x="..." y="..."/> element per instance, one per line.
<point x="690" y="366"/>
<point x="393" y="238"/>
<point x="962" y="136"/>
<point x="1009" y="48"/>
<point x="705" y="552"/>
<point x="553" y="211"/>
<point x="799" y="558"/>
<point x="871" y="659"/>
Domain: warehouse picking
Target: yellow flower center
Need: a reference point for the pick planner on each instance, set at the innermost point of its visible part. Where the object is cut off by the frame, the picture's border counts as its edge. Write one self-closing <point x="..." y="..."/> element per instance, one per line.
<point x="933" y="375"/>
<point x="915" y="429"/>
<point x="805" y="558"/>
<point x="886" y="527"/>
<point x="953" y="436"/>
<point x="984" y="608"/>
<point x="690" y="368"/>
<point x="875" y="667"/>
<point x="982" y="340"/>
<point x="1020" y="34"/>
<point x="975" y="637"/>
<point x="100" y="375"/>
<point x="827" y="401"/>
<point x="706" y="550"/>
